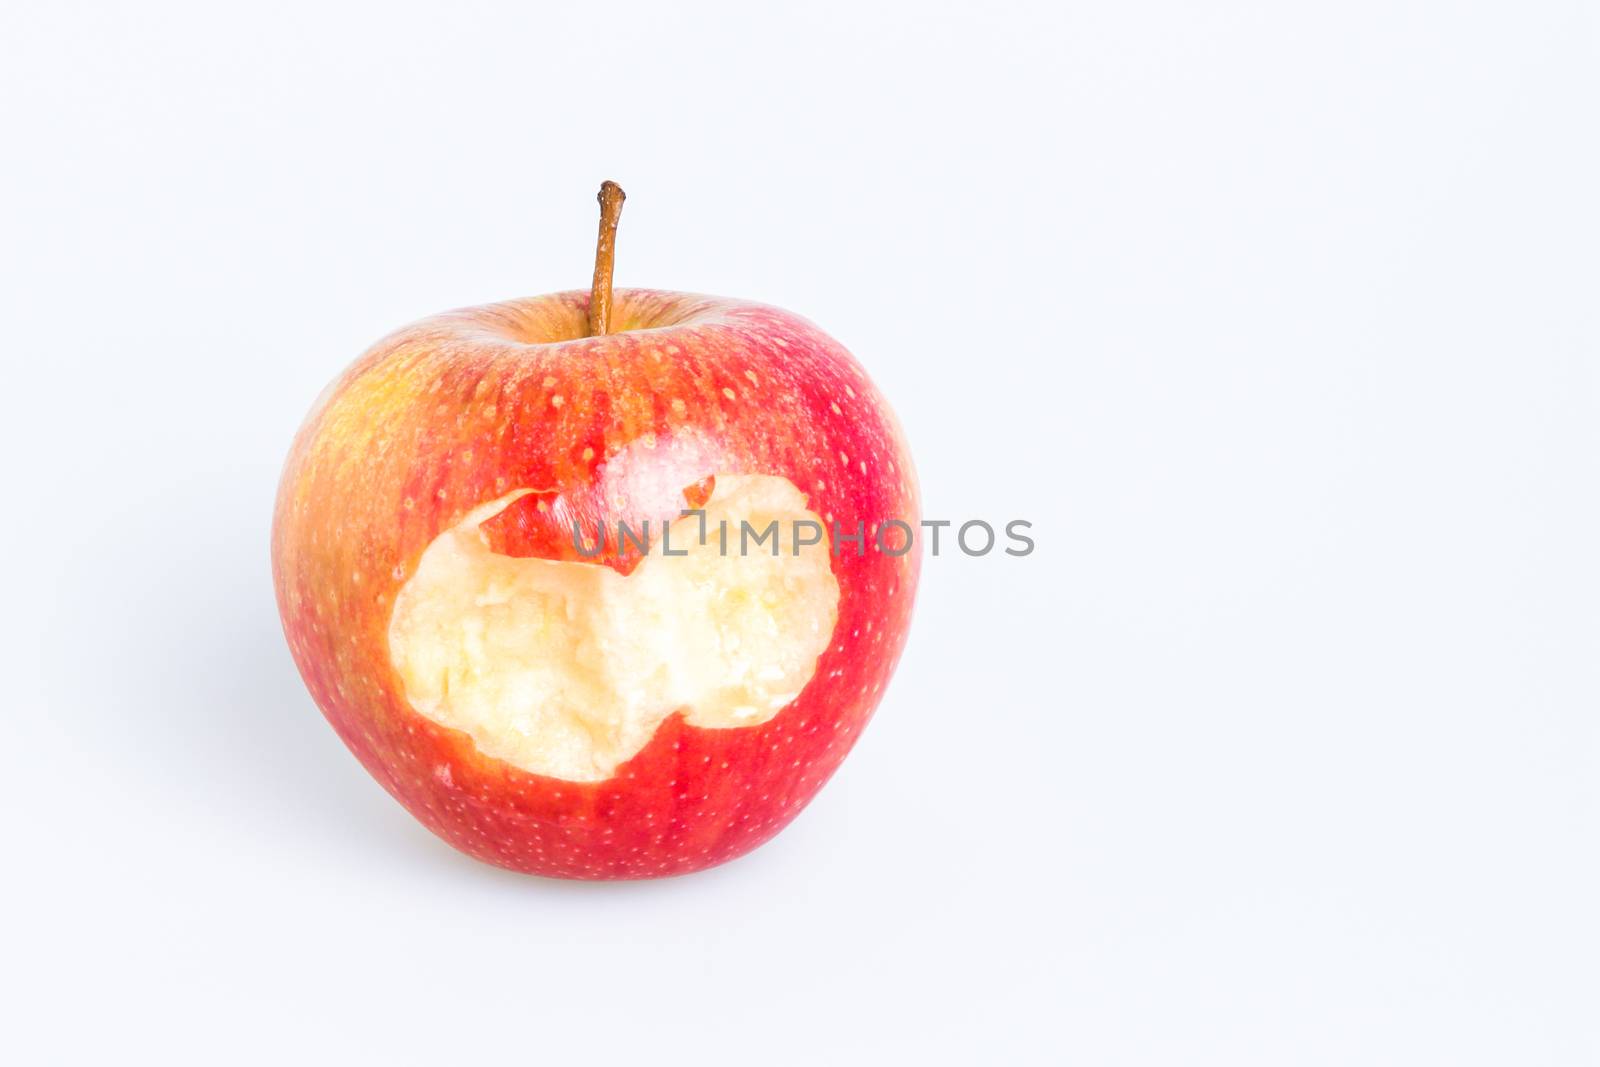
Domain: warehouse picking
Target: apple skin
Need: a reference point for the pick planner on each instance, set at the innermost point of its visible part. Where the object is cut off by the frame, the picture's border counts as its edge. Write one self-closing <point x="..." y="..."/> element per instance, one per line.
<point x="464" y="407"/>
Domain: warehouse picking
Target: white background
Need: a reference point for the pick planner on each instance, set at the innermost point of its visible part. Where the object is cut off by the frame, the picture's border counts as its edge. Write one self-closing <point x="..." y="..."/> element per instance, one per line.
<point x="1278" y="320"/>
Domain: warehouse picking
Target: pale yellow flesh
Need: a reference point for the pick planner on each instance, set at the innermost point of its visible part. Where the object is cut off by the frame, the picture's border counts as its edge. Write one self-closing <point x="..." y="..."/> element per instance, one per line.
<point x="566" y="669"/>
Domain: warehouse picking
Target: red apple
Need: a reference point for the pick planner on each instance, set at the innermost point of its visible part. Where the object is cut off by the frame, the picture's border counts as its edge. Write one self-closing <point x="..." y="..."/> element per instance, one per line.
<point x="644" y="710"/>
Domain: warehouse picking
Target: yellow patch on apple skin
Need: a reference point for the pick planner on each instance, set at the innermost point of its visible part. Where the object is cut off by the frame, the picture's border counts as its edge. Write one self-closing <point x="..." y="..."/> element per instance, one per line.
<point x="566" y="669"/>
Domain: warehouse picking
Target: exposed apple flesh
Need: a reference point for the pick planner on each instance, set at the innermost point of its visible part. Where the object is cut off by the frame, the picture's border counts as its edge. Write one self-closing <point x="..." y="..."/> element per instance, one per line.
<point x="566" y="669"/>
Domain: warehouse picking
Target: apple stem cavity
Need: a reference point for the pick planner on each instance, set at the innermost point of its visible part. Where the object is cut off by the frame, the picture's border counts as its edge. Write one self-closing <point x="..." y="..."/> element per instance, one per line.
<point x="605" y="258"/>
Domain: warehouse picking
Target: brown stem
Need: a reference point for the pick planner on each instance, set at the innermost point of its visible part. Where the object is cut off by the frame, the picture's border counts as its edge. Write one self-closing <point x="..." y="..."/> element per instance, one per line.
<point x="605" y="258"/>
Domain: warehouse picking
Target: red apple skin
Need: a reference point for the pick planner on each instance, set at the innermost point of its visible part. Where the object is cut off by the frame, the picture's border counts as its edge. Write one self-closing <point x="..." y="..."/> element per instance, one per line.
<point x="461" y="409"/>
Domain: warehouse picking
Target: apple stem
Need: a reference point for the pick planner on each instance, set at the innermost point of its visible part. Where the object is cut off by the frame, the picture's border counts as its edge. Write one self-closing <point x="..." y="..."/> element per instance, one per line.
<point x="605" y="258"/>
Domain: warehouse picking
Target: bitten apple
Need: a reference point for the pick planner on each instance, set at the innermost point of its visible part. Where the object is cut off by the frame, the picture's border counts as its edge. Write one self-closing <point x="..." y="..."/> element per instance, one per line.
<point x="597" y="707"/>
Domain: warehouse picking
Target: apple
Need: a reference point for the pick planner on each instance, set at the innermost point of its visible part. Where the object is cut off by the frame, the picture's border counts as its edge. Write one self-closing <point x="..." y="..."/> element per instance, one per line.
<point x="550" y="692"/>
